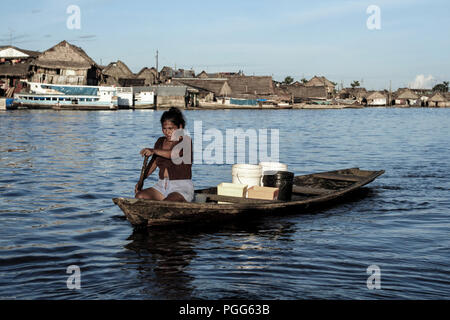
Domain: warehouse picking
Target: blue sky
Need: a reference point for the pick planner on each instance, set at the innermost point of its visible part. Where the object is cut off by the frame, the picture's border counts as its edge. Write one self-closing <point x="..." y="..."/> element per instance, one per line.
<point x="278" y="38"/>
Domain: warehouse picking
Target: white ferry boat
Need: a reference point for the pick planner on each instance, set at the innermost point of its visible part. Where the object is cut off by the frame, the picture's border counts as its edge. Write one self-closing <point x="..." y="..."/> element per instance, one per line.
<point x="74" y="97"/>
<point x="144" y="100"/>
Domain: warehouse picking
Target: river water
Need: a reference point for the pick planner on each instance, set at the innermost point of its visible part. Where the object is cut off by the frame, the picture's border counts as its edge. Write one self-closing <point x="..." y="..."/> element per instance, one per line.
<point x="59" y="171"/>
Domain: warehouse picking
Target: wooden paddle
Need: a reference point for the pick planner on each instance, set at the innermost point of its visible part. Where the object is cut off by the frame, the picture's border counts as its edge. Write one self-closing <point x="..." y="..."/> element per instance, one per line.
<point x="144" y="171"/>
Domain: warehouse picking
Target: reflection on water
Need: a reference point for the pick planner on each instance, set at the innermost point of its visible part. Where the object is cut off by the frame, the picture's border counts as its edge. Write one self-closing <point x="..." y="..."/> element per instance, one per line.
<point x="60" y="170"/>
<point x="163" y="261"/>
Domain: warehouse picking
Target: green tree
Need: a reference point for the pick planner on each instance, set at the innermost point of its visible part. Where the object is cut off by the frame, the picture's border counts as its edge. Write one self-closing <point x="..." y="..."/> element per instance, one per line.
<point x="288" y="80"/>
<point x="442" y="87"/>
<point x="355" y="84"/>
<point x="304" y="80"/>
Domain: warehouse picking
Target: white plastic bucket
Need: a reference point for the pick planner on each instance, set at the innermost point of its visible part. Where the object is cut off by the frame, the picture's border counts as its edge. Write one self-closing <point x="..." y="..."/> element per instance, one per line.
<point x="248" y="174"/>
<point x="273" y="166"/>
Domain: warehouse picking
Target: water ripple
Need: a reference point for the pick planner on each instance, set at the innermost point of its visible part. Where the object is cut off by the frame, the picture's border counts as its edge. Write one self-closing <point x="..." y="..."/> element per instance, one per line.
<point x="59" y="171"/>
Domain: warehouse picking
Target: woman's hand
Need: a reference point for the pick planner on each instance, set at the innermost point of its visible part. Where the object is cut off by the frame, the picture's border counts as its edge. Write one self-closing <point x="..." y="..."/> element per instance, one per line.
<point x="147" y="152"/>
<point x="136" y="188"/>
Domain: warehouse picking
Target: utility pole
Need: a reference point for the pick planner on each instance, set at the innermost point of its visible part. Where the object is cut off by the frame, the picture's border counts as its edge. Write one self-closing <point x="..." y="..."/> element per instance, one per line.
<point x="11" y="31"/>
<point x="157" y="67"/>
<point x="390" y="92"/>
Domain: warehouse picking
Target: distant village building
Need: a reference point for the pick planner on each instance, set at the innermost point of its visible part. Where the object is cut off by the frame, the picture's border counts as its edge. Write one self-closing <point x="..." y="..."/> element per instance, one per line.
<point x="437" y="100"/>
<point x="167" y="74"/>
<point x="116" y="73"/>
<point x="302" y="93"/>
<point x="322" y="82"/>
<point x="357" y="94"/>
<point x="65" y="64"/>
<point x="251" y="86"/>
<point x="376" y="99"/>
<point x="15" y="65"/>
<point x="181" y="73"/>
<point x="282" y="94"/>
<point x="446" y="96"/>
<point x="204" y="75"/>
<point x="405" y="97"/>
<point x="171" y="96"/>
<point x="150" y="76"/>
<point x="209" y="90"/>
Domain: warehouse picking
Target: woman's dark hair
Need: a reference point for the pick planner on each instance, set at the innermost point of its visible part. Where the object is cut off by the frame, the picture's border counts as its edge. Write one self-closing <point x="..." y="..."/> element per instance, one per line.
<point x="175" y="116"/>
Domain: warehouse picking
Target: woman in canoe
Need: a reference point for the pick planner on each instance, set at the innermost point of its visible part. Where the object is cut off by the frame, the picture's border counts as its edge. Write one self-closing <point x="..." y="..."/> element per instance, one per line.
<point x="175" y="170"/>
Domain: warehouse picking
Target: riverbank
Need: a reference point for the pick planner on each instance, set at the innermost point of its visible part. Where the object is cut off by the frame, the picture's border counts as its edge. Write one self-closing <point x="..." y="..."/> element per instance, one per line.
<point x="219" y="106"/>
<point x="203" y="106"/>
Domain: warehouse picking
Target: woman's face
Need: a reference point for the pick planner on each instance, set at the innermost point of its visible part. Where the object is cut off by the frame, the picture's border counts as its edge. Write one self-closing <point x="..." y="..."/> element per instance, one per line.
<point x="168" y="128"/>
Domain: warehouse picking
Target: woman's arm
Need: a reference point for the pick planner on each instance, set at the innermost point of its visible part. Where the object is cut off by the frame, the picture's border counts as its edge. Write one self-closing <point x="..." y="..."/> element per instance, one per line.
<point x="151" y="170"/>
<point x="163" y="153"/>
<point x="147" y="152"/>
<point x="167" y="153"/>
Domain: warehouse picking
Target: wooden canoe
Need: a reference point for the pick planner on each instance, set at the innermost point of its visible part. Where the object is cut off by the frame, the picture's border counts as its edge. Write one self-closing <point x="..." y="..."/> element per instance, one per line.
<point x="309" y="191"/>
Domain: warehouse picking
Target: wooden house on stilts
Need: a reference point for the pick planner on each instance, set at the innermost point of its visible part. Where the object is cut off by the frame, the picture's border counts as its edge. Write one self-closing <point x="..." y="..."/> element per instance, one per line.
<point x="65" y="64"/>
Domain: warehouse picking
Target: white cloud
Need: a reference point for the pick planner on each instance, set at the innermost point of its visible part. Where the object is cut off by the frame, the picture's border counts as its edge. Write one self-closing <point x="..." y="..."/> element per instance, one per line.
<point x="422" y="82"/>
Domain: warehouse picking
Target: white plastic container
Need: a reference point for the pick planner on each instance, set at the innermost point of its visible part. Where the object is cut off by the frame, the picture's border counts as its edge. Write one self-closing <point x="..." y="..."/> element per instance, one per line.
<point x="273" y="166"/>
<point x="248" y="174"/>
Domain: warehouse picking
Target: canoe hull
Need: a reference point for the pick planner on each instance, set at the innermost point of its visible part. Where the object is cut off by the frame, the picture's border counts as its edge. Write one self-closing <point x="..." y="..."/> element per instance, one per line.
<point x="314" y="190"/>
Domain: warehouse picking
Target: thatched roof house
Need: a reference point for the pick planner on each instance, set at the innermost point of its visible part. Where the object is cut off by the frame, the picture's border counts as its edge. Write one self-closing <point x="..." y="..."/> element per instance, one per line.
<point x="65" y="64"/>
<point x="357" y="94"/>
<point x="118" y="74"/>
<point x="166" y="74"/>
<point x="407" y="94"/>
<point x="437" y="100"/>
<point x="19" y="70"/>
<point x="283" y="94"/>
<point x="205" y="75"/>
<point x="15" y="65"/>
<point x="319" y="81"/>
<point x="115" y="71"/>
<point x="322" y="82"/>
<point x="11" y="76"/>
<point x="301" y="93"/>
<point x="437" y="97"/>
<point x="64" y="56"/>
<point x="219" y="88"/>
<point x="405" y="97"/>
<point x="149" y="75"/>
<point x="376" y="98"/>
<point x="246" y="86"/>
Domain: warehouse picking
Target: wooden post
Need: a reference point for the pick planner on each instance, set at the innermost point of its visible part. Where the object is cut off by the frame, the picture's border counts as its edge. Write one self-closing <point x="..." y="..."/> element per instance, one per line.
<point x="142" y="178"/>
